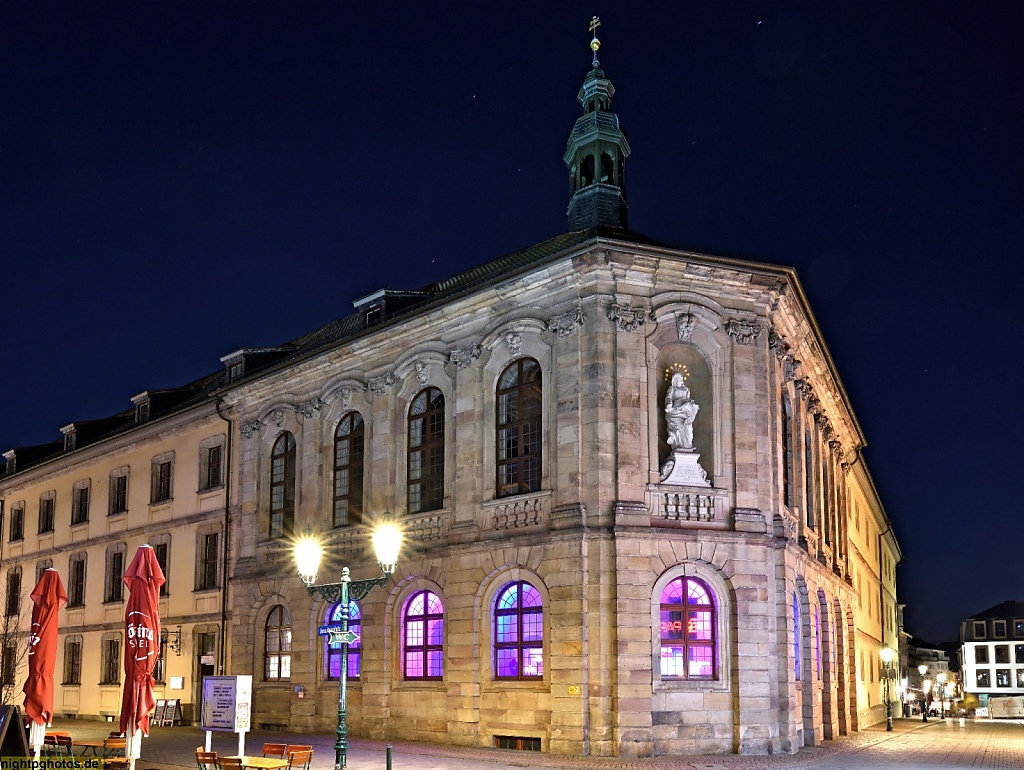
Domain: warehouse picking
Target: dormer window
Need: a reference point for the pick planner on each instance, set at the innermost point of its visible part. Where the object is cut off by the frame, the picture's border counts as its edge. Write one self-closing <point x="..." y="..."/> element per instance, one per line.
<point x="236" y="370"/>
<point x="373" y="316"/>
<point x="10" y="458"/>
<point x="141" y="402"/>
<point x="70" y="437"/>
<point x="235" y="363"/>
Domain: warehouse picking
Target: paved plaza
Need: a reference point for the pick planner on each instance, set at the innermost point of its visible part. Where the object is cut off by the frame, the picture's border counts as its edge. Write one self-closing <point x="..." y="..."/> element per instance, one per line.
<point x="913" y="744"/>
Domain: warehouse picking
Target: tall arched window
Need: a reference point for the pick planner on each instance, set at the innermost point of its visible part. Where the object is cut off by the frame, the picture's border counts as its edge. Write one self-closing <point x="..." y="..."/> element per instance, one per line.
<point x="817" y="643"/>
<point x="787" y="451"/>
<point x="688" y="630"/>
<point x="332" y="650"/>
<point x="809" y="479"/>
<point x="348" y="470"/>
<point x="426" y="451"/>
<point x="518" y="401"/>
<point x="282" y="486"/>
<point x="796" y="636"/>
<point x="277" y="645"/>
<point x="423" y="635"/>
<point x="826" y="492"/>
<point x="519" y="632"/>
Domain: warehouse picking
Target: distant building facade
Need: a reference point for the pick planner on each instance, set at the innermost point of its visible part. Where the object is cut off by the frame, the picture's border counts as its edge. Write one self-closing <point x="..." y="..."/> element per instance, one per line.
<point x="992" y="653"/>
<point x="638" y="520"/>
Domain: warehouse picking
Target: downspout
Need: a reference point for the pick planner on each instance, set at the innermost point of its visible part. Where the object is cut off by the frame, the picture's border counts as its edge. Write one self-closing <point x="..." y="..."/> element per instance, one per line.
<point x="227" y="544"/>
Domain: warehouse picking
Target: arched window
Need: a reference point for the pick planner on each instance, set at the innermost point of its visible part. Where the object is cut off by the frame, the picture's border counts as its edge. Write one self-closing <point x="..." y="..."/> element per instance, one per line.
<point x="519" y="632"/>
<point x="826" y="492"/>
<point x="587" y="171"/>
<point x="423" y="634"/>
<point x="606" y="168"/>
<point x="688" y="630"/>
<point x="426" y="451"/>
<point x="277" y="645"/>
<point x="787" y="451"/>
<point x="817" y="643"/>
<point x="796" y="636"/>
<point x="332" y="650"/>
<point x="282" y="486"/>
<point x="348" y="470"/>
<point x="518" y="400"/>
<point x="808" y="477"/>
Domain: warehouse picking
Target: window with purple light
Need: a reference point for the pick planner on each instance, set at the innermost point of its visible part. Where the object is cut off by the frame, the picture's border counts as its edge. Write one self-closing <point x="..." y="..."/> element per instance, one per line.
<point x="687" y="629"/>
<point x="423" y="635"/>
<point x="519" y="632"/>
<point x="332" y="650"/>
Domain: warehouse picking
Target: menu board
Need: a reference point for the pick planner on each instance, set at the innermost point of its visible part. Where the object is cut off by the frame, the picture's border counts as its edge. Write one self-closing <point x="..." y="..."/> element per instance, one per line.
<point x="226" y="703"/>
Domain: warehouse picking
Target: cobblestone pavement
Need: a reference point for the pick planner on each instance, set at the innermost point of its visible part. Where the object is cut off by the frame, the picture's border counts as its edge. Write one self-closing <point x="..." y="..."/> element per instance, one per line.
<point x="913" y="744"/>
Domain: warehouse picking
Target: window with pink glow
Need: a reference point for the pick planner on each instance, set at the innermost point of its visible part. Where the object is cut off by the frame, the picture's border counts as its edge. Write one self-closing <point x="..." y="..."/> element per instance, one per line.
<point x="519" y="632"/>
<point x="423" y="636"/>
<point x="687" y="630"/>
<point x="333" y="650"/>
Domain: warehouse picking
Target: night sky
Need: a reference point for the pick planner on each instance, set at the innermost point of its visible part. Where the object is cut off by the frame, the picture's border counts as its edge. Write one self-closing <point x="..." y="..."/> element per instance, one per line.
<point x="180" y="180"/>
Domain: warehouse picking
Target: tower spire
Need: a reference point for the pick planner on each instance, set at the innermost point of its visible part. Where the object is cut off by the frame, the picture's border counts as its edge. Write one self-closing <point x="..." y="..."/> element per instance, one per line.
<point x="596" y="154"/>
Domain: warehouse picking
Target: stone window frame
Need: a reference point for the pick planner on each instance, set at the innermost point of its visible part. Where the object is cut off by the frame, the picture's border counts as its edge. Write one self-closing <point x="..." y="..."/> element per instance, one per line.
<point x="427" y="445"/>
<point x="519" y="646"/>
<point x="282" y="653"/>
<point x="337" y="438"/>
<point x="1004" y="649"/>
<point x="163" y="539"/>
<point x="330" y="652"/>
<point x="423" y="646"/>
<point x="684" y="607"/>
<point x="981" y="654"/>
<point x="1004" y="677"/>
<point x="285" y="527"/>
<point x="161" y="490"/>
<point x="724" y="633"/>
<point x="980" y="629"/>
<point x="16" y="533"/>
<point x="983" y="678"/>
<point x="80" y="557"/>
<point x="110" y="667"/>
<point x="520" y="388"/>
<point x="76" y="504"/>
<point x="212" y="442"/>
<point x="72" y="675"/>
<point x="14" y="585"/>
<point x="487" y="596"/>
<point x="999" y="629"/>
<point x="41" y="566"/>
<point x="115" y="506"/>
<point x="201" y="535"/>
<point x="113" y="583"/>
<point x="47" y="509"/>
<point x="9" y="663"/>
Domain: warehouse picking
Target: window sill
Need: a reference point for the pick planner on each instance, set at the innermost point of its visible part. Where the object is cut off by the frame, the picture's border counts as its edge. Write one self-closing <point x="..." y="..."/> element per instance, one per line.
<point x="209" y="590"/>
<point x="161" y="503"/>
<point x="81" y="523"/>
<point x="70" y="684"/>
<point x="110" y="684"/>
<point x="117" y="513"/>
<point x="210" y="490"/>
<point x="113" y="601"/>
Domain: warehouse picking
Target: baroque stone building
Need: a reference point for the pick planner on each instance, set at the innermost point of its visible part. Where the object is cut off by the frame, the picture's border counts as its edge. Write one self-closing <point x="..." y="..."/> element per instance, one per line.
<point x="627" y="475"/>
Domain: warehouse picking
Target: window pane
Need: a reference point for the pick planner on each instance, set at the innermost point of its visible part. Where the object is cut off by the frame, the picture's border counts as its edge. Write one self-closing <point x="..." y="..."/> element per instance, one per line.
<point x="435" y="632"/>
<point x="435" y="663"/>
<point x="701" y="660"/>
<point x="672" y="661"/>
<point x="414" y="663"/>
<point x="533" y="627"/>
<point x="696" y="593"/>
<point x="414" y="633"/>
<point x="507" y="629"/>
<point x="698" y="626"/>
<point x="533" y="661"/>
<point x="508" y="663"/>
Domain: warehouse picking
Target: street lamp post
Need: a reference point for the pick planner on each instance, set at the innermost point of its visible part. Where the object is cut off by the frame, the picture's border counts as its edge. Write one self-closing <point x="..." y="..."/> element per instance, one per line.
<point x="887" y="654"/>
<point x="387" y="541"/>
<point x="922" y="670"/>
<point x="940" y="688"/>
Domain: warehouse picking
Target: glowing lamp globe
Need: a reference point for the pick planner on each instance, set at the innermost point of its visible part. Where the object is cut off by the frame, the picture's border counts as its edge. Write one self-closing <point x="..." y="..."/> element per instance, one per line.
<point x="387" y="542"/>
<point x="307" y="557"/>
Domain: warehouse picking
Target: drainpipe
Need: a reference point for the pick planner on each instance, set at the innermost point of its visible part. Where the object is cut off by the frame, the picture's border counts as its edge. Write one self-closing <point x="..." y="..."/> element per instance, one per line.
<point x="227" y="545"/>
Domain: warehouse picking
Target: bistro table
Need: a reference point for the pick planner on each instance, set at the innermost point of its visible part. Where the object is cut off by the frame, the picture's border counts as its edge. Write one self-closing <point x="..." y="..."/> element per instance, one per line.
<point x="263" y="763"/>
<point x="93" y="746"/>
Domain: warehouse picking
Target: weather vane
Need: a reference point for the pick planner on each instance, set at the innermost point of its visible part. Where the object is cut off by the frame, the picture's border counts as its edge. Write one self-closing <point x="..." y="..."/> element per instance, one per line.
<point x="595" y="22"/>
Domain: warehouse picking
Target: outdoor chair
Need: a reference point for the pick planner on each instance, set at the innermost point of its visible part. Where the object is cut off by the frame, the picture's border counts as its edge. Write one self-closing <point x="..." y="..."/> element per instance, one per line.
<point x="65" y="746"/>
<point x="50" y="746"/>
<point x="299" y="747"/>
<point x="114" y="748"/>
<point x="230" y="763"/>
<point x="299" y="760"/>
<point x="207" y="760"/>
<point x="279" y="750"/>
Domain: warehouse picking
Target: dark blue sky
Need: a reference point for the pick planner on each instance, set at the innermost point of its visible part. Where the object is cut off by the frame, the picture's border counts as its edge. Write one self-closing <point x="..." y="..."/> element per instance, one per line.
<point x="179" y="180"/>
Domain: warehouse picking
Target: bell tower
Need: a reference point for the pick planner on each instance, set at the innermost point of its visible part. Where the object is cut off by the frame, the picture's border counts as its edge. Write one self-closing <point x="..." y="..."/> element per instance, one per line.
<point x="596" y="155"/>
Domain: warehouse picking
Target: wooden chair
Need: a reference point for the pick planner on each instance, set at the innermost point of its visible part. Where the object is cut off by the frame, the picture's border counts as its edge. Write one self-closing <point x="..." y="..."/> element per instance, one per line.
<point x="207" y="760"/>
<point x="65" y="745"/>
<point x="299" y="747"/>
<point x="114" y="747"/>
<point x="299" y="760"/>
<point x="50" y="747"/>
<point x="230" y="763"/>
<point x="279" y="750"/>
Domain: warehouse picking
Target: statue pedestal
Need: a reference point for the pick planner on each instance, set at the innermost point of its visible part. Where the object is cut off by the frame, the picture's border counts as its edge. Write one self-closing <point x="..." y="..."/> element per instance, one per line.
<point x="685" y="470"/>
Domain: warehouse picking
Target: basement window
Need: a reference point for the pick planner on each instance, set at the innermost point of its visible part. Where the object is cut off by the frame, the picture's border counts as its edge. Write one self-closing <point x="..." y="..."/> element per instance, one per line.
<point x="516" y="743"/>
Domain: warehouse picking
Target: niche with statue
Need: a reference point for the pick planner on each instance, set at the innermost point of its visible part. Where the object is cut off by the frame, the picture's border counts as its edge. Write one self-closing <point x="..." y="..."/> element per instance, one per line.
<point x="684" y="416"/>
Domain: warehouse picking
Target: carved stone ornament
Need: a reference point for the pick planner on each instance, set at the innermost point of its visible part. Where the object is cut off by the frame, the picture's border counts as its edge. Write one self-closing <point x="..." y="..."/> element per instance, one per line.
<point x="463" y="357"/>
<point x="790" y="366"/>
<point x="778" y="291"/>
<point x="277" y="417"/>
<point x="565" y="324"/>
<point x="684" y="326"/>
<point x="514" y="340"/>
<point x="345" y="397"/>
<point x="307" y="408"/>
<point x="251" y="427"/>
<point x="803" y="387"/>
<point x="627" y="318"/>
<point x="778" y="345"/>
<point x="744" y="332"/>
<point x="379" y="385"/>
<point x="421" y="372"/>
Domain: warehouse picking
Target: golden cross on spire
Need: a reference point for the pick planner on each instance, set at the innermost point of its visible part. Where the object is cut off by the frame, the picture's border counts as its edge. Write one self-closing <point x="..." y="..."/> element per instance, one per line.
<point x="595" y="22"/>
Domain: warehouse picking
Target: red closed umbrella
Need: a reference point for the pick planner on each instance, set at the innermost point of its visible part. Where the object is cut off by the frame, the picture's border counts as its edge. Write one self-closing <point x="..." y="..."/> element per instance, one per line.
<point x="142" y="645"/>
<point x="47" y="599"/>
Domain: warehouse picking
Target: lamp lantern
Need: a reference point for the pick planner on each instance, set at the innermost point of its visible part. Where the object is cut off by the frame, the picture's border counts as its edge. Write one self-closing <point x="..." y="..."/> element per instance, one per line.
<point x="887" y="654"/>
<point x="307" y="556"/>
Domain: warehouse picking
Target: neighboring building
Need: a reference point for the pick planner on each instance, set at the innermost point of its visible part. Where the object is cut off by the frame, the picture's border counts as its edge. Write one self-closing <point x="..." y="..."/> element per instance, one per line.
<point x="992" y="652"/>
<point x="638" y="518"/>
<point x="154" y="474"/>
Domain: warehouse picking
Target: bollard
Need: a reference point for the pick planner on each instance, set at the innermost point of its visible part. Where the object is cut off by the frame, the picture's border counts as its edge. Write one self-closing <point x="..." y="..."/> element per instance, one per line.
<point x="388" y="746"/>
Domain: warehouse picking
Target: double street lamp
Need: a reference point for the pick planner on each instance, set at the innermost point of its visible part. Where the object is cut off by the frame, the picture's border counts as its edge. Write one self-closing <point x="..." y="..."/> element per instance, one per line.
<point x="926" y="685"/>
<point x="887" y="655"/>
<point x="940" y="688"/>
<point x="387" y="541"/>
